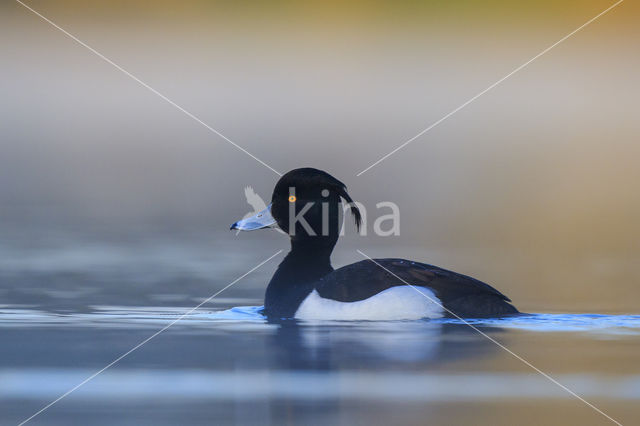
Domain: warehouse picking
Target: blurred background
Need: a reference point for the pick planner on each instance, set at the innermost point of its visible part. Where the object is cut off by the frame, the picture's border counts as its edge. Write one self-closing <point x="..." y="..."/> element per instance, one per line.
<point x="533" y="187"/>
<point x="111" y="196"/>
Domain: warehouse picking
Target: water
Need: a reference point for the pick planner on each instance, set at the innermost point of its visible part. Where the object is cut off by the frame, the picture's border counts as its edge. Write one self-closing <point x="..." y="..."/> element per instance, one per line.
<point x="232" y="365"/>
<point x="70" y="309"/>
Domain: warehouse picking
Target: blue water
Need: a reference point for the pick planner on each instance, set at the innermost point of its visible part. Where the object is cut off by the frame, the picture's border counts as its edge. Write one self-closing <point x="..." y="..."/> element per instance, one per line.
<point x="594" y="323"/>
<point x="112" y="316"/>
<point x="215" y="363"/>
<point x="70" y="309"/>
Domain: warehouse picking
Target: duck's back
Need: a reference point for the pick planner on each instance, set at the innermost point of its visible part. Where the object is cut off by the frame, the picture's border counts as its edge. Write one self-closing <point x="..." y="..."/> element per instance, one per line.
<point x="363" y="289"/>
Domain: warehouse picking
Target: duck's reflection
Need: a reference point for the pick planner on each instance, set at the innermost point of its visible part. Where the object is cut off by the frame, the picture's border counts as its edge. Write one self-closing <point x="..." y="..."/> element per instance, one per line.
<point x="362" y="345"/>
<point x="367" y="347"/>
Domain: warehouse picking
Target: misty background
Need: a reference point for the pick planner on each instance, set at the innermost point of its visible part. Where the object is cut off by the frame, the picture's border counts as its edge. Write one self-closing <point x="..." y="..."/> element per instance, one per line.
<point x="533" y="187"/>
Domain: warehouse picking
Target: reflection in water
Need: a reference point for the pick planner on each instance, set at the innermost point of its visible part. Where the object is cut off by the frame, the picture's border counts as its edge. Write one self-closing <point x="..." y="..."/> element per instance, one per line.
<point x="233" y="364"/>
<point x="342" y="345"/>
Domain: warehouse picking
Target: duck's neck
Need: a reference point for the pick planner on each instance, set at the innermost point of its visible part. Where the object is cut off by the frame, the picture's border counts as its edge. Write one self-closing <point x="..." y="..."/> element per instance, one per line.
<point x="295" y="277"/>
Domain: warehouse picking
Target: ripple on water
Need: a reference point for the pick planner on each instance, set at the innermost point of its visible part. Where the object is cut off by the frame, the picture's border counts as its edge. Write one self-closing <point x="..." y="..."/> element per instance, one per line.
<point x="614" y="324"/>
<point x="112" y="316"/>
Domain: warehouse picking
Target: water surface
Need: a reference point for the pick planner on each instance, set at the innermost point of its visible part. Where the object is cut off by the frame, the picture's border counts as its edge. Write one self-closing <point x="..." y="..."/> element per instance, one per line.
<point x="72" y="307"/>
<point x="232" y="365"/>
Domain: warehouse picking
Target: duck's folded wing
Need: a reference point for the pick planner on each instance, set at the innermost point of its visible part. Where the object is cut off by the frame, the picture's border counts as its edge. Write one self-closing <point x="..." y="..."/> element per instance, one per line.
<point x="459" y="294"/>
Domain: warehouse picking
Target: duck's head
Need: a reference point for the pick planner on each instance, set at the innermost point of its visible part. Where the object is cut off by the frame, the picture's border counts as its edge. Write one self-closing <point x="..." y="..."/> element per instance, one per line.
<point x="306" y="204"/>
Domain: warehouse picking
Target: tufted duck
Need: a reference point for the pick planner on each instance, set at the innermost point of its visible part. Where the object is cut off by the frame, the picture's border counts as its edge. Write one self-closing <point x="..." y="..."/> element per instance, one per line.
<point x="306" y="204"/>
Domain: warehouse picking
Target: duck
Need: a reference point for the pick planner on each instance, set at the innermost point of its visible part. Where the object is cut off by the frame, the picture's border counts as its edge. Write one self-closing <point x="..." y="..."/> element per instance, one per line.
<point x="308" y="204"/>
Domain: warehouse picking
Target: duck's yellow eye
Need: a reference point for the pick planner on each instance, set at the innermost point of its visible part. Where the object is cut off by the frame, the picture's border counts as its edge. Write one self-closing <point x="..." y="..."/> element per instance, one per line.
<point x="292" y="198"/>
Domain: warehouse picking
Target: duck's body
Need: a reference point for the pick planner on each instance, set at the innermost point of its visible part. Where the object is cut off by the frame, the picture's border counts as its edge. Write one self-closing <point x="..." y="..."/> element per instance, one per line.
<point x="382" y="289"/>
<point x="305" y="285"/>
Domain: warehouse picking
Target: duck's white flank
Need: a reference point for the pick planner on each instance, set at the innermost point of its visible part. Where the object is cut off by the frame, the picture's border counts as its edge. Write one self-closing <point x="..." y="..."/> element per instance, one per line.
<point x="395" y="303"/>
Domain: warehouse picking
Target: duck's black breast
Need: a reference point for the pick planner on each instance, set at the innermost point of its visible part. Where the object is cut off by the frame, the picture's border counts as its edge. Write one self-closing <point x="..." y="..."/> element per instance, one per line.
<point x="459" y="294"/>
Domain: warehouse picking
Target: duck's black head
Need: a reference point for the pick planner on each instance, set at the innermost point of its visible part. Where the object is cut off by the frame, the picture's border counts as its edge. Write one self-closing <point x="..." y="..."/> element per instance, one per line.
<point x="306" y="204"/>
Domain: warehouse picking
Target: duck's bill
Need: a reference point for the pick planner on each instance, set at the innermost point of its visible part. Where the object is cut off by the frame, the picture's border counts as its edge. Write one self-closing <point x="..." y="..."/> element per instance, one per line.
<point x="260" y="220"/>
